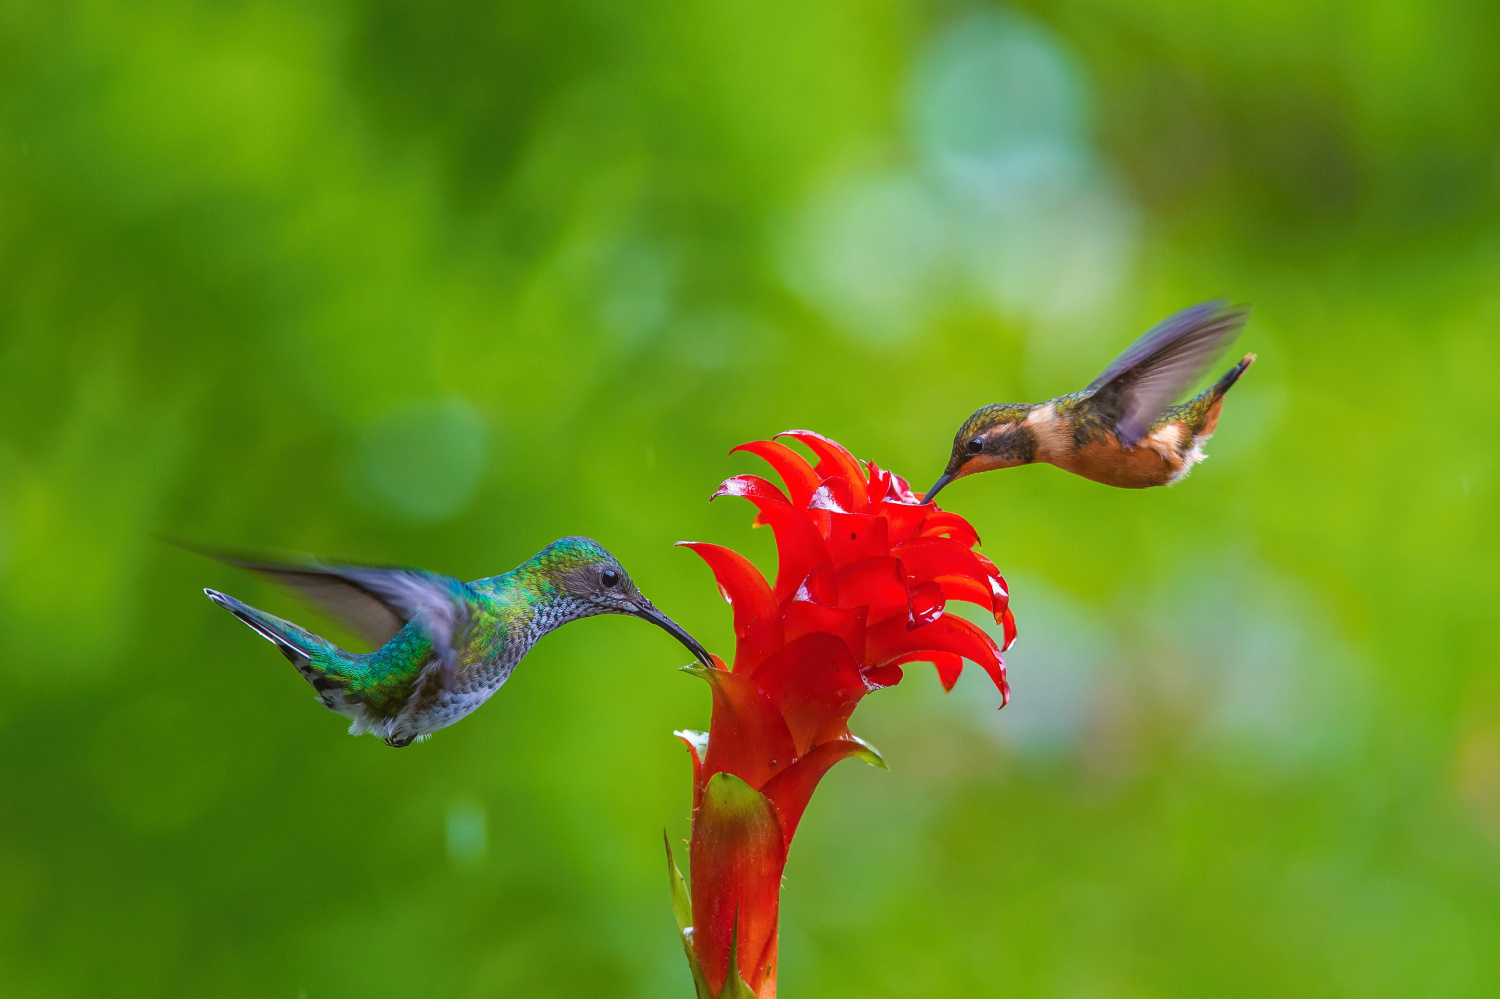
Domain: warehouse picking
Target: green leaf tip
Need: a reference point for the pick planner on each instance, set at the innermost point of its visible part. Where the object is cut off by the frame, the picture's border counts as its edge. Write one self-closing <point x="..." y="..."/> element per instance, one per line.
<point x="735" y="986"/>
<point x="733" y="791"/>
<point x="682" y="902"/>
<point x="682" y="909"/>
<point x="868" y="753"/>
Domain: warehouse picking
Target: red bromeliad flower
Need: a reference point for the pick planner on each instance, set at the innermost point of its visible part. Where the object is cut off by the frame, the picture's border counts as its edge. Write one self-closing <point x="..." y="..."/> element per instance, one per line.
<point x="865" y="572"/>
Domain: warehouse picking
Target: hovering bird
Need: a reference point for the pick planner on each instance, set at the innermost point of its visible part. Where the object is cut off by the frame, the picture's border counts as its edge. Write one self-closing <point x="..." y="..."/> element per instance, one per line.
<point x="443" y="646"/>
<point x="1120" y="430"/>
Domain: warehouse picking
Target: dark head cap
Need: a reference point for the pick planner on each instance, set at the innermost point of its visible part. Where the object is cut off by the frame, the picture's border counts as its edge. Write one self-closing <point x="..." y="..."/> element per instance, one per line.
<point x="995" y="436"/>
<point x="594" y="577"/>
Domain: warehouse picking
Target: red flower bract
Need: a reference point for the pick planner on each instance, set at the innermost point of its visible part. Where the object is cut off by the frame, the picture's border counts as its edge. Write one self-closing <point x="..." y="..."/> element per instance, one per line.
<point x="865" y="572"/>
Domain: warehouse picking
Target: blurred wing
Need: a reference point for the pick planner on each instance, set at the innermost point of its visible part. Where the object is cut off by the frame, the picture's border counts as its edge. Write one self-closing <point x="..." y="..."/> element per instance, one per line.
<point x="1153" y="373"/>
<point x="376" y="603"/>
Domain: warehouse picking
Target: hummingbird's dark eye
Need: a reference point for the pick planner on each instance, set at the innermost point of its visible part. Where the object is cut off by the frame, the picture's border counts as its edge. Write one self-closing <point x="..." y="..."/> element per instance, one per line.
<point x="609" y="577"/>
<point x="976" y="445"/>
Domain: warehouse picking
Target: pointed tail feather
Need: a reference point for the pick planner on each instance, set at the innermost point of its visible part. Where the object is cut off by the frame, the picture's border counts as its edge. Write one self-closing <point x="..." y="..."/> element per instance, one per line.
<point x="300" y="646"/>
<point x="1231" y="376"/>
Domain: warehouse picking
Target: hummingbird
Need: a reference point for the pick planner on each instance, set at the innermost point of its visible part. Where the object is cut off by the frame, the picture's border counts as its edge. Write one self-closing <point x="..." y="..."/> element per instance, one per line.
<point x="1123" y="429"/>
<point x="443" y="646"/>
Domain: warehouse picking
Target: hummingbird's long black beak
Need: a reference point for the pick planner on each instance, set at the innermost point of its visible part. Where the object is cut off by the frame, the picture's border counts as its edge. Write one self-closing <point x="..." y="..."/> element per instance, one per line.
<point x="942" y="481"/>
<point x="648" y="612"/>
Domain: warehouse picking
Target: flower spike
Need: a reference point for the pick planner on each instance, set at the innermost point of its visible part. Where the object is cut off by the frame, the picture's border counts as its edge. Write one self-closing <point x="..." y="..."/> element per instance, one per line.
<point x="865" y="580"/>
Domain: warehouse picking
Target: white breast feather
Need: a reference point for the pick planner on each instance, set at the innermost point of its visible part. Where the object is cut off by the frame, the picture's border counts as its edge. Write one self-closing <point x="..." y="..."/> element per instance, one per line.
<point x="1191" y="458"/>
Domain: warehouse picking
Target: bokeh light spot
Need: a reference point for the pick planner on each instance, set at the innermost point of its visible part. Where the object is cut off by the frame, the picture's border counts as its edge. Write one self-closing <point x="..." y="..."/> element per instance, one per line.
<point x="423" y="461"/>
<point x="871" y="254"/>
<point x="467" y="833"/>
<point x="637" y="281"/>
<point x="997" y="107"/>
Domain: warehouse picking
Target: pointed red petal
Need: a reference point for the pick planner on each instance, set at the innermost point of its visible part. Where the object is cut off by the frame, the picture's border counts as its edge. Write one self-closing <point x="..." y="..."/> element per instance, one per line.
<point x="900" y="492"/>
<point x="833" y="460"/>
<point x="821" y="517"/>
<point x="794" y="470"/>
<point x="928" y="601"/>
<point x="1000" y="593"/>
<point x="746" y="732"/>
<point x="1008" y="624"/>
<point x="806" y="617"/>
<point x="757" y="621"/>
<point x="949" y="665"/>
<point x="750" y="487"/>
<point x="799" y="546"/>
<point x="952" y="525"/>
<point x="692" y="740"/>
<point x="853" y="536"/>
<point x="906" y="520"/>
<point x="737" y="853"/>
<point x="834" y="495"/>
<point x="876" y="583"/>
<point x="928" y="558"/>
<point x="947" y="634"/>
<point x="815" y="684"/>
<point x="818" y="586"/>
<point x="791" y="791"/>
<point x="879" y="677"/>
<point x="966" y="589"/>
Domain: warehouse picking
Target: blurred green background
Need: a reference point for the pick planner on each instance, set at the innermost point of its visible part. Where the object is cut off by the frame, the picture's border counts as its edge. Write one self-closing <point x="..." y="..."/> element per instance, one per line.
<point x="435" y="283"/>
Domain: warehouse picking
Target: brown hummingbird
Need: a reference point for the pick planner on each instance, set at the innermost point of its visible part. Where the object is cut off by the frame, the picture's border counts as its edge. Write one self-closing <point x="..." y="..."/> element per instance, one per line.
<point x="1123" y="429"/>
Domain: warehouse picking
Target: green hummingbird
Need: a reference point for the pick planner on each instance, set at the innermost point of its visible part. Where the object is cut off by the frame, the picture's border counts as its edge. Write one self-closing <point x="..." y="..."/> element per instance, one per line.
<point x="1123" y="429"/>
<point x="443" y="646"/>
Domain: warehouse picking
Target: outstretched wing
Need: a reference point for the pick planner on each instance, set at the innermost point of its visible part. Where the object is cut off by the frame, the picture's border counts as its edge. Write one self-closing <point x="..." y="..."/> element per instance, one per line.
<point x="1153" y="373"/>
<point x="376" y="603"/>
